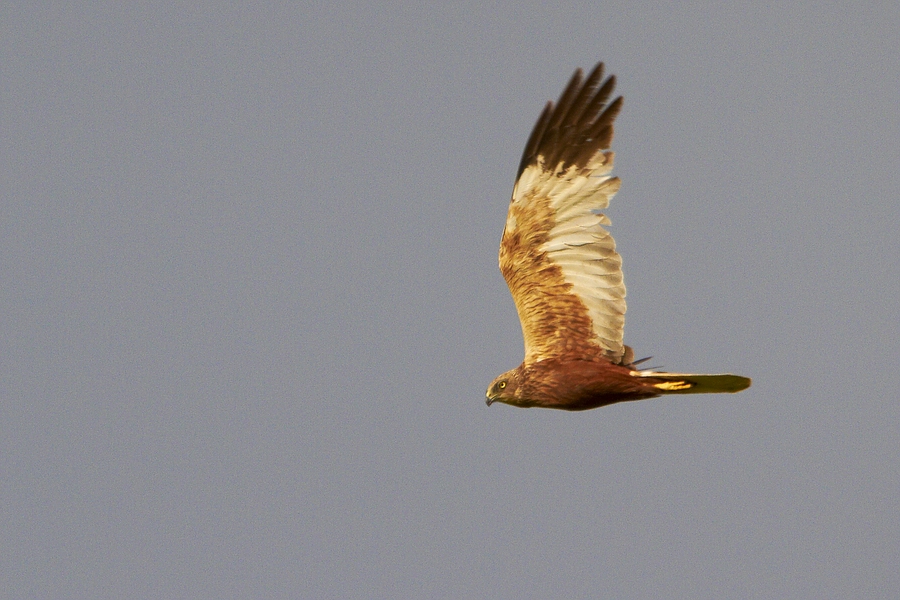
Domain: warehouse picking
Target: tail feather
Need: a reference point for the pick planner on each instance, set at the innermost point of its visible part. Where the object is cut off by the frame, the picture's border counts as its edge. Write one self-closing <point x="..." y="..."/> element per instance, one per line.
<point x="685" y="383"/>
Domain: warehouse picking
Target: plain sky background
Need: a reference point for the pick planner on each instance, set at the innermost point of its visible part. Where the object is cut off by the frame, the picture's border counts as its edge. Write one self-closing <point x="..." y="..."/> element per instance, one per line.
<point x="250" y="303"/>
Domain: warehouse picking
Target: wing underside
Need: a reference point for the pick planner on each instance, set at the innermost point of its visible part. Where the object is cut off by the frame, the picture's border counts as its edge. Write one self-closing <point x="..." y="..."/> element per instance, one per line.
<point x="560" y="263"/>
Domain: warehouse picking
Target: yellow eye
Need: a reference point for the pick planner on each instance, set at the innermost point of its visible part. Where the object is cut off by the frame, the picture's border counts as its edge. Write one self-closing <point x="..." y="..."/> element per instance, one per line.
<point x="501" y="385"/>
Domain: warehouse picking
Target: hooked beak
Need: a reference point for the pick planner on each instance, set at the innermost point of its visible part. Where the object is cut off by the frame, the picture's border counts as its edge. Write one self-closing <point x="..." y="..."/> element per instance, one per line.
<point x="488" y="400"/>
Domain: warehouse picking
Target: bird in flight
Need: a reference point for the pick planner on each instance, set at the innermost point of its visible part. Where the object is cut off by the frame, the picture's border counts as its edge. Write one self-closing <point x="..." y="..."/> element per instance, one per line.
<point x="563" y="270"/>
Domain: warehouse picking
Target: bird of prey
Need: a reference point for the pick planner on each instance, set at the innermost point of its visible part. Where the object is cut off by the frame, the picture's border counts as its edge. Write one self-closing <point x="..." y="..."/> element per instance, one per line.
<point x="563" y="270"/>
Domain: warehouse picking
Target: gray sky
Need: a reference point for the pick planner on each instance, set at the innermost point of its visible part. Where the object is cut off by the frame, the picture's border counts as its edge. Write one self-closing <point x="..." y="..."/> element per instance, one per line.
<point x="250" y="304"/>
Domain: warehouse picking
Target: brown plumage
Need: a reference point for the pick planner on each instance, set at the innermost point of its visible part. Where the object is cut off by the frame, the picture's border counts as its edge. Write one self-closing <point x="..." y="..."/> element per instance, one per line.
<point x="563" y="270"/>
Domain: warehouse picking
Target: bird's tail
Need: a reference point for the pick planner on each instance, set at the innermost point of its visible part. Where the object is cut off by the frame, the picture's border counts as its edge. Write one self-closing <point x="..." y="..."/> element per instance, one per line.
<point x="684" y="383"/>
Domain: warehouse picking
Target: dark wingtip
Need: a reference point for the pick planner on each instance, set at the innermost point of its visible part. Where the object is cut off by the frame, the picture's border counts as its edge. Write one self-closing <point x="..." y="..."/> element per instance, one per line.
<point x="578" y="125"/>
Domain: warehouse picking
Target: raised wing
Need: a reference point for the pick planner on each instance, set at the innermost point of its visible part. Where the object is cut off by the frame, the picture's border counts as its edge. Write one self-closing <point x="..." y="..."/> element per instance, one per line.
<point x="560" y="264"/>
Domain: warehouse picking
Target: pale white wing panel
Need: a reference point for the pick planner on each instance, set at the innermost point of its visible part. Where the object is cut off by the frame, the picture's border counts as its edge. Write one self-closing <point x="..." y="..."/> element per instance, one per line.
<point x="579" y="245"/>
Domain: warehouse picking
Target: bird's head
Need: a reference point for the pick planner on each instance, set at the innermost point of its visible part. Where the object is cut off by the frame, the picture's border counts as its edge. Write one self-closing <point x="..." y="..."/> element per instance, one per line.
<point x="503" y="388"/>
